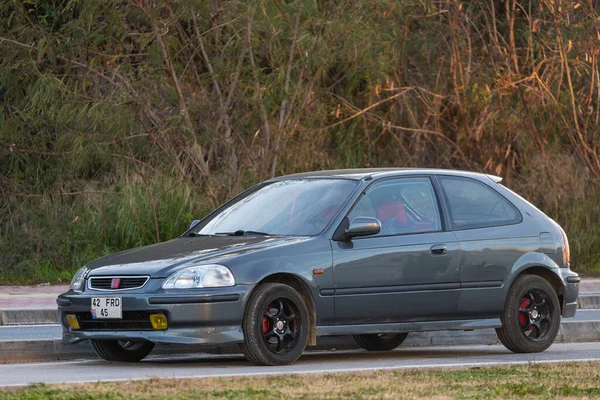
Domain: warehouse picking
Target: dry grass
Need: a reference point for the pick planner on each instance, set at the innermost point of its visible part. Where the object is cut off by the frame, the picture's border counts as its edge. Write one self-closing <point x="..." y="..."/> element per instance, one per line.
<point x="108" y="144"/>
<point x="574" y="380"/>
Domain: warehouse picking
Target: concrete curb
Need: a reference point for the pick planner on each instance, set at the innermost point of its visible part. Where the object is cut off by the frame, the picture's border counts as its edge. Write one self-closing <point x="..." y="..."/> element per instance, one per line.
<point x="589" y="301"/>
<point x="20" y="351"/>
<point x="49" y="315"/>
<point x="24" y="351"/>
<point x="29" y="316"/>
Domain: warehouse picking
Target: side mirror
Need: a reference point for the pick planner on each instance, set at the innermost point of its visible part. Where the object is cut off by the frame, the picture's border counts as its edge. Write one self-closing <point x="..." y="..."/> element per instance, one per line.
<point x="363" y="226"/>
<point x="193" y="223"/>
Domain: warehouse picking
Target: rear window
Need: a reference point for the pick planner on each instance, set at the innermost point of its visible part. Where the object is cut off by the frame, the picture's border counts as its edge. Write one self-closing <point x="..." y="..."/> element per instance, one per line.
<point x="474" y="204"/>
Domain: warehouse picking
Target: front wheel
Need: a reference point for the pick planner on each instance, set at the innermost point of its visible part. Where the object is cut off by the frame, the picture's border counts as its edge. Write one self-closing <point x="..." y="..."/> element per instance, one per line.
<point x="381" y="341"/>
<point x="120" y="350"/>
<point x="531" y="316"/>
<point x="276" y="325"/>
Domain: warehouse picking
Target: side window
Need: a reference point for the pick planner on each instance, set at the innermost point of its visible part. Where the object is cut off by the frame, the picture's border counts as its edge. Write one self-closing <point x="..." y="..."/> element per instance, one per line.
<point x="474" y="204"/>
<point x="403" y="206"/>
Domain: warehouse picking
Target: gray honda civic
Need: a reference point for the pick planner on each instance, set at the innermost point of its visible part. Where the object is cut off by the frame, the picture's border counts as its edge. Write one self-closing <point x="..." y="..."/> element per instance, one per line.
<point x="372" y="253"/>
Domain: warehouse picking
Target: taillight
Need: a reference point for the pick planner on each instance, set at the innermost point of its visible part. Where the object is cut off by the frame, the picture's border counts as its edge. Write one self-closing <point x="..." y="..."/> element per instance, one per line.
<point x="566" y="249"/>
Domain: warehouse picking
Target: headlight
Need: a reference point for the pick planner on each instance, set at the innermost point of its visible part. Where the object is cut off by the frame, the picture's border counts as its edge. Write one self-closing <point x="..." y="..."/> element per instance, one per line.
<point x="201" y="276"/>
<point x="79" y="279"/>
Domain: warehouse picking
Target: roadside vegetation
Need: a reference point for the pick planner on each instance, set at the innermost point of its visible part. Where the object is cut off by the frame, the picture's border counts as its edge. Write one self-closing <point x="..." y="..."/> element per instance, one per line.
<point x="565" y="381"/>
<point x="121" y="120"/>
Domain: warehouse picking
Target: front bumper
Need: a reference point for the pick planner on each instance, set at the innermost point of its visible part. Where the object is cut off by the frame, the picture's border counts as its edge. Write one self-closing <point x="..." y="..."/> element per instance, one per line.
<point x="199" y="316"/>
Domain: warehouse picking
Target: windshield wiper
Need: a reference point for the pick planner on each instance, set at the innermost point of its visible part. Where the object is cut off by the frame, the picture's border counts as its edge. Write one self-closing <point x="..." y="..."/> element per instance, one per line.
<point x="194" y="234"/>
<point x="240" y="232"/>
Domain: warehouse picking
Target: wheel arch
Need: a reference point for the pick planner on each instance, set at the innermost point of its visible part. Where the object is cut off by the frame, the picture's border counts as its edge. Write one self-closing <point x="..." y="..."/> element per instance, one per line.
<point x="299" y="285"/>
<point x="543" y="267"/>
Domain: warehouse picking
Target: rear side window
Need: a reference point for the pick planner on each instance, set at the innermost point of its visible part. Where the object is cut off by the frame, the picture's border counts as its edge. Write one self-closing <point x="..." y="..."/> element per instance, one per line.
<point x="474" y="204"/>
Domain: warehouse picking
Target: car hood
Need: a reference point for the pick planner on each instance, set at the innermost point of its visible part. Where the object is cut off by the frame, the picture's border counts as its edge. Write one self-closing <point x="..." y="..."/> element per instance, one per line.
<point x="161" y="259"/>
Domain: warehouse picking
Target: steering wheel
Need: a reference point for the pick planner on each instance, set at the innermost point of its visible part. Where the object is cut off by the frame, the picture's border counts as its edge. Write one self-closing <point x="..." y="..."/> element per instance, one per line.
<point x="322" y="219"/>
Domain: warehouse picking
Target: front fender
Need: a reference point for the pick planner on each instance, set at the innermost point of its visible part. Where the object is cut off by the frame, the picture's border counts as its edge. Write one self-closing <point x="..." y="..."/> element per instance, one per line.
<point x="298" y="260"/>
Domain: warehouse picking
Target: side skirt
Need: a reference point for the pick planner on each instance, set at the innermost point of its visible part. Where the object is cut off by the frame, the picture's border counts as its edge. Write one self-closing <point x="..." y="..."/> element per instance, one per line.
<point x="456" y="325"/>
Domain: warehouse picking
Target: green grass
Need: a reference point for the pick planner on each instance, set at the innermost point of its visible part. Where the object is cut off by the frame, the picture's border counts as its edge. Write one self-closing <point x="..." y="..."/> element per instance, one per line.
<point x="97" y="154"/>
<point x="50" y="240"/>
<point x="571" y="380"/>
<point x="580" y="221"/>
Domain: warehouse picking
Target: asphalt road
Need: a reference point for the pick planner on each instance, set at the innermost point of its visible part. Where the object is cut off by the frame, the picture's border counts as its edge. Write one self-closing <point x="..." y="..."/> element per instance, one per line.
<point x="317" y="362"/>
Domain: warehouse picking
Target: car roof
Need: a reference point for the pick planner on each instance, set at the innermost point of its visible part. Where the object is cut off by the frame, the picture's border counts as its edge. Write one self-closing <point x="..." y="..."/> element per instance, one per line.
<point x="362" y="173"/>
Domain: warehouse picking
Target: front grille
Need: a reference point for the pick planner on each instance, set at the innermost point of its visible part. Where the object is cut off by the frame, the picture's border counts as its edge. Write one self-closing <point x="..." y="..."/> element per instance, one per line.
<point x="116" y="283"/>
<point x="132" y="321"/>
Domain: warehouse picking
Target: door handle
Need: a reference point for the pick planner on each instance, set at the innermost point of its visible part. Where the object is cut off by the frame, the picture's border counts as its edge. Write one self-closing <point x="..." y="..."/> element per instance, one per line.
<point x="438" y="250"/>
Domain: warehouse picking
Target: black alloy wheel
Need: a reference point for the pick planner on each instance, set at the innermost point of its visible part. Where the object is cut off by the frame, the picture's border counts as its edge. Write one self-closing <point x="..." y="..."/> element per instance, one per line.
<point x="531" y="316"/>
<point x="534" y="315"/>
<point x="380" y="341"/>
<point x="276" y="325"/>
<point x="280" y="327"/>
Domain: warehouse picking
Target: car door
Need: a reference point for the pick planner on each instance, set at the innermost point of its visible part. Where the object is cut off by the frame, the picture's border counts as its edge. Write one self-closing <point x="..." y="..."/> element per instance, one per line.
<point x="407" y="272"/>
<point x="492" y="238"/>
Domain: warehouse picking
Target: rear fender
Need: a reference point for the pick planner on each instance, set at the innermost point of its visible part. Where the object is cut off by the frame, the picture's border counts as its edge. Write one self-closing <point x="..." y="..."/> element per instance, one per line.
<point x="542" y="265"/>
<point x="530" y="260"/>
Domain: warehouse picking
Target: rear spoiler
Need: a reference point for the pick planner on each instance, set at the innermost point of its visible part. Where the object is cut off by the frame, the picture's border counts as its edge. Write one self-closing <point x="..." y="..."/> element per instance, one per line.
<point x="495" y="178"/>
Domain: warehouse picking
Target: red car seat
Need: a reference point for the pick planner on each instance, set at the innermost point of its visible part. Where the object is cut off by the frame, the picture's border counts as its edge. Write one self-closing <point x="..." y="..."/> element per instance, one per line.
<point x="392" y="216"/>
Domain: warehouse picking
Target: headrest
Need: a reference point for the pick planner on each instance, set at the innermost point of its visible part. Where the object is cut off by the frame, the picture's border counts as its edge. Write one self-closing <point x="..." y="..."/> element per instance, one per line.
<point x="394" y="209"/>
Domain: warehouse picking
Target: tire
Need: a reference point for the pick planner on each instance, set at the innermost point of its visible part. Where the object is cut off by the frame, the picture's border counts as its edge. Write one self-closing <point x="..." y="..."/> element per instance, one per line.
<point x="116" y="350"/>
<point x="380" y="342"/>
<point x="523" y="329"/>
<point x="266" y="340"/>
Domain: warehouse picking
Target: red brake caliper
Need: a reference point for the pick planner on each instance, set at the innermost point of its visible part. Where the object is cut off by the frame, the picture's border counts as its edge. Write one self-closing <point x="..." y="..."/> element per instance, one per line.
<point x="522" y="315"/>
<point x="265" y="325"/>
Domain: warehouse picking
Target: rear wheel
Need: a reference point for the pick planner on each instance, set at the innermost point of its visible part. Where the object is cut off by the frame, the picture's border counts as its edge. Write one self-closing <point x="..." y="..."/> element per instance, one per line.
<point x="276" y="325"/>
<point x="118" y="350"/>
<point x="381" y="341"/>
<point x="531" y="316"/>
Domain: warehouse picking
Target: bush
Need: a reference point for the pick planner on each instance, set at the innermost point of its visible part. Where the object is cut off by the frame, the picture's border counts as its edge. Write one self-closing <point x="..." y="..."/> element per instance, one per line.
<point x="121" y="120"/>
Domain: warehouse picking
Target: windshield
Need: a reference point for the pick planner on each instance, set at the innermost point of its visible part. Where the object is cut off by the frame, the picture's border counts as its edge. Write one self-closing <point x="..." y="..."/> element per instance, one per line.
<point x="301" y="207"/>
